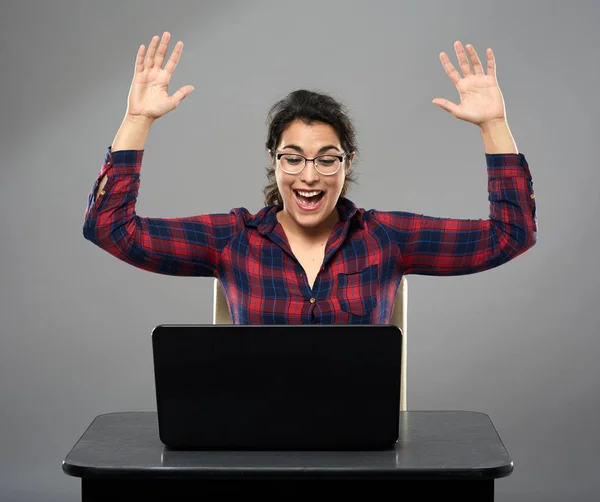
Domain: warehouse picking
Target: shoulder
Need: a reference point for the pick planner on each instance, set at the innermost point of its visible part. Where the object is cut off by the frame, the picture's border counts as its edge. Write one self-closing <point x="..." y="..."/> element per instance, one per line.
<point x="349" y="209"/>
<point x="261" y="219"/>
<point x="374" y="220"/>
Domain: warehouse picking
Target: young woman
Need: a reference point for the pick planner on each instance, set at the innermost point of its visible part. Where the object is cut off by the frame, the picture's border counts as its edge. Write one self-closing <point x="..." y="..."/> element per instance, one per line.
<point x="310" y="255"/>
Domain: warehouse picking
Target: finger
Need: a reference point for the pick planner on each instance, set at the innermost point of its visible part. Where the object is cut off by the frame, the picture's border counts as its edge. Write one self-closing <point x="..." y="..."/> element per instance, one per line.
<point x="149" y="60"/>
<point x="174" y="59"/>
<point x="474" y="59"/>
<point x="449" y="68"/>
<point x="162" y="49"/>
<point x="139" y="59"/>
<point x="462" y="59"/>
<point x="491" y="63"/>
<point x="181" y="94"/>
<point x="444" y="104"/>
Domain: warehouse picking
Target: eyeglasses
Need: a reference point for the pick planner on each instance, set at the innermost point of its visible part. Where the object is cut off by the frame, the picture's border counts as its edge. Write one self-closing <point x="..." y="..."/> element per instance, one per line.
<point x="294" y="163"/>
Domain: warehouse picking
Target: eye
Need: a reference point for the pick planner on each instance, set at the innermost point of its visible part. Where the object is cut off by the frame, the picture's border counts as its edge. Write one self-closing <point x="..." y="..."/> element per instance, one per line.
<point x="328" y="160"/>
<point x="292" y="159"/>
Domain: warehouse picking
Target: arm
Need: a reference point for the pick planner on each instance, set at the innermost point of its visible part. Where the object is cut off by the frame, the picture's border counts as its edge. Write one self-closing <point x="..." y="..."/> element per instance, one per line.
<point x="131" y="135"/>
<point x="446" y="246"/>
<point x="182" y="246"/>
<point x="173" y="246"/>
<point x="149" y="97"/>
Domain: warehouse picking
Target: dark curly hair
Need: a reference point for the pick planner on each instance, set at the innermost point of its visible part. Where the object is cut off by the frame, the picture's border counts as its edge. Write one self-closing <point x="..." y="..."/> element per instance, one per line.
<point x="311" y="107"/>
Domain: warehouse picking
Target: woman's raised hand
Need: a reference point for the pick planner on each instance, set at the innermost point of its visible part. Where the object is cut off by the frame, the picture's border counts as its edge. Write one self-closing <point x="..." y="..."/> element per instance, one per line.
<point x="149" y="93"/>
<point x="481" y="100"/>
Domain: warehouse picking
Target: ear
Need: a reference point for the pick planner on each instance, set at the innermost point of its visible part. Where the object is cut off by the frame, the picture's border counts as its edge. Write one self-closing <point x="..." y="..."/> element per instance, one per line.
<point x="350" y="160"/>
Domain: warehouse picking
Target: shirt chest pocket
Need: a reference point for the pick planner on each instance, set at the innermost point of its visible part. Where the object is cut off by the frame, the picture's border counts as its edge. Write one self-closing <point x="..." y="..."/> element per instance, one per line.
<point x="357" y="292"/>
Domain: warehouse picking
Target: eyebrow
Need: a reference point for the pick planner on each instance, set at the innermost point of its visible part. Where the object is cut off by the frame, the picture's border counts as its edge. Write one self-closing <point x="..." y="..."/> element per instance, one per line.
<point x="321" y="150"/>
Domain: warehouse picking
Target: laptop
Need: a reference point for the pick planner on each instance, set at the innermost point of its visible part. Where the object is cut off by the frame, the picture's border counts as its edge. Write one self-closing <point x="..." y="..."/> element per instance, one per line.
<point x="277" y="387"/>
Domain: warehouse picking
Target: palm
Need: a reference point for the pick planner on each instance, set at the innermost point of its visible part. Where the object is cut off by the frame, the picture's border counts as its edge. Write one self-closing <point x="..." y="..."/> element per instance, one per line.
<point x="481" y="100"/>
<point x="149" y="94"/>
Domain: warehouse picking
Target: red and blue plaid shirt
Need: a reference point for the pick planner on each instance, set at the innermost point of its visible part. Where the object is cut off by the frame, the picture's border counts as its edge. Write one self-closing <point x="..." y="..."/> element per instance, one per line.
<point x="366" y="255"/>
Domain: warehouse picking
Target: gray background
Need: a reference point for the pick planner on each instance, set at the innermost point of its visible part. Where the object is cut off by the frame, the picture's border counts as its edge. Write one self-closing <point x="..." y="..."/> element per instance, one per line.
<point x="519" y="342"/>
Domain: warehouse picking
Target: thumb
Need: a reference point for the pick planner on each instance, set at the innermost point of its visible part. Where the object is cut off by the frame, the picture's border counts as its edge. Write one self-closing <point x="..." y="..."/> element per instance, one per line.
<point x="444" y="104"/>
<point x="181" y="94"/>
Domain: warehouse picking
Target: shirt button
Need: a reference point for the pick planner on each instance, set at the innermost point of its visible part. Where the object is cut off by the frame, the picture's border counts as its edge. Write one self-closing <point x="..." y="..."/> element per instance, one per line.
<point x="532" y="196"/>
<point x="102" y="192"/>
<point x="312" y="300"/>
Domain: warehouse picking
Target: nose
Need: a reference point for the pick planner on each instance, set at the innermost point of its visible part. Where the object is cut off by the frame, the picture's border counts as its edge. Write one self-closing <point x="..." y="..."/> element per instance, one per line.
<point x="309" y="173"/>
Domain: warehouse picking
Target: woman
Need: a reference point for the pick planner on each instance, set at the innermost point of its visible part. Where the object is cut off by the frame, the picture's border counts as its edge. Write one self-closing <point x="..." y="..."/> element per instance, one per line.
<point x="310" y="255"/>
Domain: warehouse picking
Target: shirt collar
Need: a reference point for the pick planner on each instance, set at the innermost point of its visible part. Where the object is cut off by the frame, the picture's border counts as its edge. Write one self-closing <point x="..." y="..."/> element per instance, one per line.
<point x="266" y="219"/>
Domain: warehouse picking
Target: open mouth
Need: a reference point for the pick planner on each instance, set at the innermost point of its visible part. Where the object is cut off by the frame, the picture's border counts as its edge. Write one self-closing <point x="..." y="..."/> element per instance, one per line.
<point x="309" y="200"/>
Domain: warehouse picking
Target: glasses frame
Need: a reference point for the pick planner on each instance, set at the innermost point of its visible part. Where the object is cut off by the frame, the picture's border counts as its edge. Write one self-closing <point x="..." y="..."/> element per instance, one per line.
<point x="313" y="160"/>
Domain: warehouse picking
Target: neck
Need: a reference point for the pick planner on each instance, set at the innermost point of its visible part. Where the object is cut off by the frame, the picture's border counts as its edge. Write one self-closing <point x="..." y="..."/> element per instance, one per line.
<point x="310" y="234"/>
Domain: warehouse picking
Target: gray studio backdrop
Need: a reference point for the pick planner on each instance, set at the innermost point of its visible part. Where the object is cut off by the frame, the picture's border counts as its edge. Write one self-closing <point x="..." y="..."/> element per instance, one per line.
<point x="519" y="343"/>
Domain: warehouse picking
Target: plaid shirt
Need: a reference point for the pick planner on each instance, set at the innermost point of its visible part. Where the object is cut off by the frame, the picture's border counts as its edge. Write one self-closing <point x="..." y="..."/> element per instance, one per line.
<point x="366" y="255"/>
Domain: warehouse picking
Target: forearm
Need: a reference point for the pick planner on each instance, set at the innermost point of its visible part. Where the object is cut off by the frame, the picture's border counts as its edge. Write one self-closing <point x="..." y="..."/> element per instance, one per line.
<point x="132" y="135"/>
<point x="497" y="138"/>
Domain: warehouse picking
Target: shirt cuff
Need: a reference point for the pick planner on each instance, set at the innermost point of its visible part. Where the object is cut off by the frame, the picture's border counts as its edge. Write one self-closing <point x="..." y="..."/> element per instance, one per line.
<point x="122" y="161"/>
<point x="503" y="165"/>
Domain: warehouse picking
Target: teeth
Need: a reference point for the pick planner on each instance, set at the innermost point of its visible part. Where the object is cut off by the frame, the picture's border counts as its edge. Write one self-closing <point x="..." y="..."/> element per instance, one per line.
<point x="308" y="194"/>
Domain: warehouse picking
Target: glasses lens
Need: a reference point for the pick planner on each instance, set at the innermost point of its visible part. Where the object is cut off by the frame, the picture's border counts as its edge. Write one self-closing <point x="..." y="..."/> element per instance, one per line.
<point x="292" y="163"/>
<point x="328" y="164"/>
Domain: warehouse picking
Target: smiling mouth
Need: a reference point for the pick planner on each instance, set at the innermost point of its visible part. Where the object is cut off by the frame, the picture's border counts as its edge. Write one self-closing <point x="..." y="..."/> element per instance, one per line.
<point x="309" y="199"/>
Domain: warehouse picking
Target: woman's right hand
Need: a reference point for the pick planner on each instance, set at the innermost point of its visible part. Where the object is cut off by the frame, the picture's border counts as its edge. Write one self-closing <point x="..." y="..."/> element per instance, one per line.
<point x="149" y="95"/>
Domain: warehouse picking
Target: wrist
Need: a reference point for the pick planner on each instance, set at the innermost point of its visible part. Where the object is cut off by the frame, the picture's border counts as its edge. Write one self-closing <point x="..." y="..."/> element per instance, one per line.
<point x="138" y="120"/>
<point x="132" y="134"/>
<point x="493" y="125"/>
<point x="497" y="137"/>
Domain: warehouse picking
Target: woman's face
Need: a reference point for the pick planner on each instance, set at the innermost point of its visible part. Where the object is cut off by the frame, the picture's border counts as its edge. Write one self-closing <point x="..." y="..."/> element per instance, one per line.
<point x="309" y="198"/>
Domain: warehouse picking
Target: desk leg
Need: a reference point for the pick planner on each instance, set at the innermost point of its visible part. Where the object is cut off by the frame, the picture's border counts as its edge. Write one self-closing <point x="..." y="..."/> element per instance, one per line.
<point x="186" y="490"/>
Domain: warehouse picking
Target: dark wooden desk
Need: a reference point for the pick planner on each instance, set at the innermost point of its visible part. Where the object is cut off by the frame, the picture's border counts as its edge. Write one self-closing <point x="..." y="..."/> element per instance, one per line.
<point x="449" y="453"/>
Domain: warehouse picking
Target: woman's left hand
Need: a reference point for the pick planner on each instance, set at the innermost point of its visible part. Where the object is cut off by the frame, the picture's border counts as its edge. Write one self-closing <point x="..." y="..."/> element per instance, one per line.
<point x="481" y="100"/>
